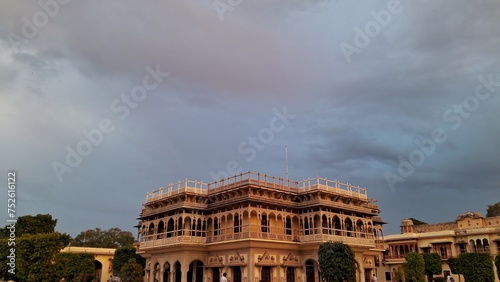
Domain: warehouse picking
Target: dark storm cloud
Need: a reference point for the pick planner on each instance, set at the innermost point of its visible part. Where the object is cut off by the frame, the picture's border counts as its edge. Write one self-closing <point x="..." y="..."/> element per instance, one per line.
<point x="353" y="120"/>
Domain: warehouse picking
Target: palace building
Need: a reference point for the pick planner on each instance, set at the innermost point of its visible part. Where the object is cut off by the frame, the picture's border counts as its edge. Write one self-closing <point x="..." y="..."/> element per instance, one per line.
<point x="255" y="227"/>
<point x="470" y="232"/>
<point x="103" y="261"/>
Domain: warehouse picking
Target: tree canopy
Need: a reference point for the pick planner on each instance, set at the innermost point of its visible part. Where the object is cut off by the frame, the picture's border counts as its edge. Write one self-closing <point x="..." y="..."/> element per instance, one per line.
<point x="36" y="245"/>
<point x="493" y="210"/>
<point x="97" y="238"/>
<point x="433" y="264"/>
<point x="415" y="267"/>
<point x="123" y="255"/>
<point x="75" y="267"/>
<point x="337" y="262"/>
<point x="417" y="222"/>
<point x="36" y="255"/>
<point x="131" y="271"/>
<point x="28" y="224"/>
<point x="455" y="266"/>
<point x="477" y="266"/>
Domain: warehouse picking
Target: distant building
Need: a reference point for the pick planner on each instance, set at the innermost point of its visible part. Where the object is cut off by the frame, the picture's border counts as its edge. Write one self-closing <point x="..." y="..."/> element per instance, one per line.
<point x="255" y="227"/>
<point x="470" y="232"/>
<point x="103" y="260"/>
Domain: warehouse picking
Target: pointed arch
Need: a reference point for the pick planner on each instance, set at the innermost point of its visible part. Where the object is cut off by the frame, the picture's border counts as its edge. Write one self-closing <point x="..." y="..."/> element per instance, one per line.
<point x="170" y="228"/>
<point x="166" y="272"/>
<point x="264" y="223"/>
<point x="161" y="230"/>
<point x="349" y="227"/>
<point x="360" y="228"/>
<point x="180" y="228"/>
<point x="324" y="225"/>
<point x="288" y="225"/>
<point x="337" y="225"/>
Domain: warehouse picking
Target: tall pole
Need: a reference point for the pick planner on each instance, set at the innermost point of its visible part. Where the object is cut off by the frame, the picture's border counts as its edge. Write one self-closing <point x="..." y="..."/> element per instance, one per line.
<point x="286" y="161"/>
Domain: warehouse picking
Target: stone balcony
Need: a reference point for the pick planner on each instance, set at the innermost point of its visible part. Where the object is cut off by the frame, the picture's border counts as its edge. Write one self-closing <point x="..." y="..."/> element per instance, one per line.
<point x="186" y="237"/>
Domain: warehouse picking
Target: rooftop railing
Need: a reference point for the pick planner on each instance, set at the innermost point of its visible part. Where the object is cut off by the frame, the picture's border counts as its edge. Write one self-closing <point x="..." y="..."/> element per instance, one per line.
<point x="197" y="187"/>
<point x="278" y="183"/>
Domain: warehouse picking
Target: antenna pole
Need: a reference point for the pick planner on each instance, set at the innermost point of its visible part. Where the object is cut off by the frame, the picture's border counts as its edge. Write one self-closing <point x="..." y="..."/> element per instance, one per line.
<point x="286" y="161"/>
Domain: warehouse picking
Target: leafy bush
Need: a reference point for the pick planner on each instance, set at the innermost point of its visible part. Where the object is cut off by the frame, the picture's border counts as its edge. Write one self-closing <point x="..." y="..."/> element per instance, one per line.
<point x="477" y="267"/>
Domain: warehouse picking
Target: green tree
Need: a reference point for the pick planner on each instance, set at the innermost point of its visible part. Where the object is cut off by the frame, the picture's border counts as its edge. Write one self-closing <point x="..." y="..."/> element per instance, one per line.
<point x="433" y="265"/>
<point x="493" y="210"/>
<point x="477" y="267"/>
<point x="75" y="267"/>
<point x="337" y="262"/>
<point x="417" y="222"/>
<point x="28" y="224"/>
<point x="497" y="264"/>
<point x="415" y="267"/>
<point x="36" y="245"/>
<point x="36" y="256"/>
<point x="400" y="274"/>
<point x="455" y="266"/>
<point x="123" y="255"/>
<point x="97" y="238"/>
<point x="131" y="271"/>
<point x="5" y="267"/>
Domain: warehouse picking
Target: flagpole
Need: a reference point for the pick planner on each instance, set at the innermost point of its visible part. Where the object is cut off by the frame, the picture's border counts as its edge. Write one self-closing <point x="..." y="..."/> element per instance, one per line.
<point x="286" y="161"/>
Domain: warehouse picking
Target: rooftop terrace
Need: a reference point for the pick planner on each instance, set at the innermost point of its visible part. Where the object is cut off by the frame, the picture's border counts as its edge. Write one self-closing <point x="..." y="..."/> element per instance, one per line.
<point x="263" y="180"/>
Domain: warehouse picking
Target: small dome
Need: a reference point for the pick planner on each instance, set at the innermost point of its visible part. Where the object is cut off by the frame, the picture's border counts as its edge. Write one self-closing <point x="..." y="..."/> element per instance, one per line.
<point x="407" y="222"/>
<point x="469" y="214"/>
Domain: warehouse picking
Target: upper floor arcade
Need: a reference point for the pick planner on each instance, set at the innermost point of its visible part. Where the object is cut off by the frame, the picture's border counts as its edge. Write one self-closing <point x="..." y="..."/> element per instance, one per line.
<point x="260" y="207"/>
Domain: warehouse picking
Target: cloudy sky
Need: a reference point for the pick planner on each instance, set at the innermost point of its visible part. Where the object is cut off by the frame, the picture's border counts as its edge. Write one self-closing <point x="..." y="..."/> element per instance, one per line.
<point x="103" y="101"/>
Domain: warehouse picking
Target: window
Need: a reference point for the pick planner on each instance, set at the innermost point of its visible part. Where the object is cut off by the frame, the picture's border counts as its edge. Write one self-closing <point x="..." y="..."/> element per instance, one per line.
<point x="264" y="223"/>
<point x="266" y="274"/>
<point x="426" y="250"/>
<point x="237" y="224"/>
<point x="288" y="226"/>
<point x="216" y="227"/>
<point x="462" y="249"/>
<point x="443" y="252"/>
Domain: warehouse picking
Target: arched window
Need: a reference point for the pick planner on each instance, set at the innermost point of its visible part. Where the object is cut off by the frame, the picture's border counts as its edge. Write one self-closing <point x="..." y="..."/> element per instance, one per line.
<point x="179" y="227"/>
<point x="486" y="245"/>
<point x="264" y="223"/>
<point x="170" y="228"/>
<point x="237" y="224"/>
<point x="306" y="226"/>
<point x="161" y="230"/>
<point x="166" y="272"/>
<point x="337" y="225"/>
<point x="360" y="228"/>
<point x="178" y="272"/>
<point x="348" y="227"/>
<point x="216" y="227"/>
<point x="324" y="224"/>
<point x="472" y="244"/>
<point x="151" y="230"/>
<point x="288" y="226"/>
<point x="310" y="271"/>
